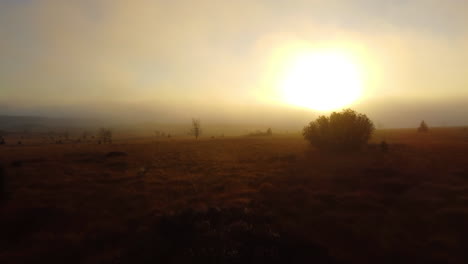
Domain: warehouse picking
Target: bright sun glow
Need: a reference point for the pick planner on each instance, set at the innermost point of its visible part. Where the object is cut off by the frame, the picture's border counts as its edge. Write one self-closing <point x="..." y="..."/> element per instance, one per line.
<point x="321" y="81"/>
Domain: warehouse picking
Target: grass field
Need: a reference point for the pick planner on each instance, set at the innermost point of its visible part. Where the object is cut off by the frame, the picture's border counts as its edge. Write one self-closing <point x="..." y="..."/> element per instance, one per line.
<point x="237" y="200"/>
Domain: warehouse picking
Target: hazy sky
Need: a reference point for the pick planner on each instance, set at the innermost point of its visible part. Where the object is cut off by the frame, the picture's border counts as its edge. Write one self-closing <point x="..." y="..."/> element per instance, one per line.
<point x="217" y="59"/>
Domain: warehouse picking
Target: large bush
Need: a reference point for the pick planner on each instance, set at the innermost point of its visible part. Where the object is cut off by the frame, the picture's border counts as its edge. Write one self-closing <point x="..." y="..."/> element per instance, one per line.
<point x="343" y="131"/>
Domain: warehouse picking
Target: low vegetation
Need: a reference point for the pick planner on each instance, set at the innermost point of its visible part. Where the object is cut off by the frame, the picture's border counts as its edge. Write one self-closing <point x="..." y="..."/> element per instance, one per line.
<point x="259" y="133"/>
<point x="237" y="200"/>
<point x="196" y="129"/>
<point x="423" y="127"/>
<point x="2" y="184"/>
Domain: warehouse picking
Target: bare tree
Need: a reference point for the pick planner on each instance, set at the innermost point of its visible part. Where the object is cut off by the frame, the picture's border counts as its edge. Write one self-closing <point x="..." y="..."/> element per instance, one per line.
<point x="104" y="136"/>
<point x="196" y="128"/>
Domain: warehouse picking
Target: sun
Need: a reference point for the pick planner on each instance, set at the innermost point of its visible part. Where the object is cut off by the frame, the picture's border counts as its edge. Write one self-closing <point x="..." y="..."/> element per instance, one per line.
<point x="321" y="81"/>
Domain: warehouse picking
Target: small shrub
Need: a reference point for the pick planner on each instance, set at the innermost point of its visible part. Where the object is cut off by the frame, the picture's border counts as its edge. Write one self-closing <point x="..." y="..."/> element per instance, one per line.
<point x="2" y="184"/>
<point x="228" y="235"/>
<point x="160" y="134"/>
<point x="423" y="127"/>
<point x="384" y="146"/>
<point x="85" y="135"/>
<point x="116" y="154"/>
<point x="259" y="133"/>
<point x="343" y="131"/>
<point x="16" y="163"/>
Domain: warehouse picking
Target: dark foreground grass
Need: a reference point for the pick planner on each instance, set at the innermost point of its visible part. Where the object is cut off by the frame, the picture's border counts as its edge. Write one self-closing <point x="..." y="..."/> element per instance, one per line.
<point x="238" y="200"/>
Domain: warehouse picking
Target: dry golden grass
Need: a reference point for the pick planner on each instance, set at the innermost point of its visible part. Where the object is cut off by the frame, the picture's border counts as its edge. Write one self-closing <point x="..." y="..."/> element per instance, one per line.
<point x="75" y="203"/>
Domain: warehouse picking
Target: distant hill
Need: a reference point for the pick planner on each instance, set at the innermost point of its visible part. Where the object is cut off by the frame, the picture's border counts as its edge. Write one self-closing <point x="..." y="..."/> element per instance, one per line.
<point x="21" y="122"/>
<point x="38" y="123"/>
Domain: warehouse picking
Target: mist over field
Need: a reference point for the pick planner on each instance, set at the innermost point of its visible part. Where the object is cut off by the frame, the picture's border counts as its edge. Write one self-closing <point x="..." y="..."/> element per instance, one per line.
<point x="388" y="113"/>
<point x="438" y="114"/>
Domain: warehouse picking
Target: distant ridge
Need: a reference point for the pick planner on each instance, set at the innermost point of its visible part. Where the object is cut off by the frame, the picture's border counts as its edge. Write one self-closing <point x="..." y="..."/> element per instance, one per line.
<point x="20" y="122"/>
<point x="38" y="123"/>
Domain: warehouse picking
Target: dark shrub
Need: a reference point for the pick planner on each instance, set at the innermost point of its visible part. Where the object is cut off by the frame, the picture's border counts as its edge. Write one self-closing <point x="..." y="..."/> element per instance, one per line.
<point x="17" y="163"/>
<point x="343" y="131"/>
<point x="423" y="127"/>
<point x="384" y="146"/>
<point x="228" y="235"/>
<point x="116" y="154"/>
<point x="269" y="132"/>
<point x="2" y="184"/>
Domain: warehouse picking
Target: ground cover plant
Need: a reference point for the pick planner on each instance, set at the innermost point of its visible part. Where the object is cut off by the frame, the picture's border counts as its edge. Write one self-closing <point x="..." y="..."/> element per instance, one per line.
<point x="237" y="200"/>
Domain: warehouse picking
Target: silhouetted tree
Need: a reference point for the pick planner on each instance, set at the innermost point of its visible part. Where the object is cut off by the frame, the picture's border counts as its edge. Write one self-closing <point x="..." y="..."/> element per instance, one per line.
<point x="269" y="132"/>
<point x="423" y="127"/>
<point x="105" y="135"/>
<point x="343" y="131"/>
<point x="196" y="128"/>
